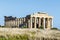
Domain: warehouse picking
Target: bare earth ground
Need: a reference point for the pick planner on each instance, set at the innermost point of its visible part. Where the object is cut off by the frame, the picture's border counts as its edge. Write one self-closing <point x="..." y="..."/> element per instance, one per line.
<point x="37" y="33"/>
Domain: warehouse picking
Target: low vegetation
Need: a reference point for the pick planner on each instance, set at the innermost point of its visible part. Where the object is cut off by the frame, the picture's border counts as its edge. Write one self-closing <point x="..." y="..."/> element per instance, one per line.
<point x="28" y="34"/>
<point x="54" y="28"/>
<point x="14" y="37"/>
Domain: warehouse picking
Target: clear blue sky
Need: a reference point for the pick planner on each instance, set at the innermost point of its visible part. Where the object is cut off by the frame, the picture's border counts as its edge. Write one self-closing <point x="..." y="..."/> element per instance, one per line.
<point x="21" y="8"/>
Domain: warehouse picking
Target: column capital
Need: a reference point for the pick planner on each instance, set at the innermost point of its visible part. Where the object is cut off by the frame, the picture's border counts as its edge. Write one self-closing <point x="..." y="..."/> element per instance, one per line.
<point x="35" y="17"/>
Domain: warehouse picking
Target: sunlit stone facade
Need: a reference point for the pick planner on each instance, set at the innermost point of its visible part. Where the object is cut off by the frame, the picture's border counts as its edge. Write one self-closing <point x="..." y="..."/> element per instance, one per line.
<point x="35" y="20"/>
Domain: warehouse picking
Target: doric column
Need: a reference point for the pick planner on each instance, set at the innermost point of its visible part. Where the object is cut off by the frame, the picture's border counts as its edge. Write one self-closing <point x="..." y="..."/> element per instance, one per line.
<point x="7" y="23"/>
<point x="18" y="22"/>
<point x="31" y="22"/>
<point x="22" y="20"/>
<point x="39" y="21"/>
<point x="15" y="22"/>
<point x="35" y="23"/>
<point x="48" y="23"/>
<point x="44" y="23"/>
<point x="10" y="23"/>
<point x="28" y="23"/>
<point x="52" y="22"/>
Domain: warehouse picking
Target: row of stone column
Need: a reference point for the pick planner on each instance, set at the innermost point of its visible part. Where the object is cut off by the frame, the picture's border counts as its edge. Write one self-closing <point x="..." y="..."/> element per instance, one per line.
<point x="16" y="22"/>
<point x="19" y="22"/>
<point x="49" y="23"/>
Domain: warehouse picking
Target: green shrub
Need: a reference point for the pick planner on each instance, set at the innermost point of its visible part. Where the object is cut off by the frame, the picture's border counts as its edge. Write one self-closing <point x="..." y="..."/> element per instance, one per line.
<point x="24" y="27"/>
<point x="41" y="27"/>
<point x="54" y="28"/>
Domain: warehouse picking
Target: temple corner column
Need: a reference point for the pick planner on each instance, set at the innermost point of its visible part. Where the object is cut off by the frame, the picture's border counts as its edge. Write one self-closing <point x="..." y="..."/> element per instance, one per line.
<point x="52" y="22"/>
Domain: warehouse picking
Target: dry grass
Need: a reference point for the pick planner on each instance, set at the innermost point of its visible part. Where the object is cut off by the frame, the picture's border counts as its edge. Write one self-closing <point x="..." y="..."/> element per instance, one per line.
<point x="17" y="33"/>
